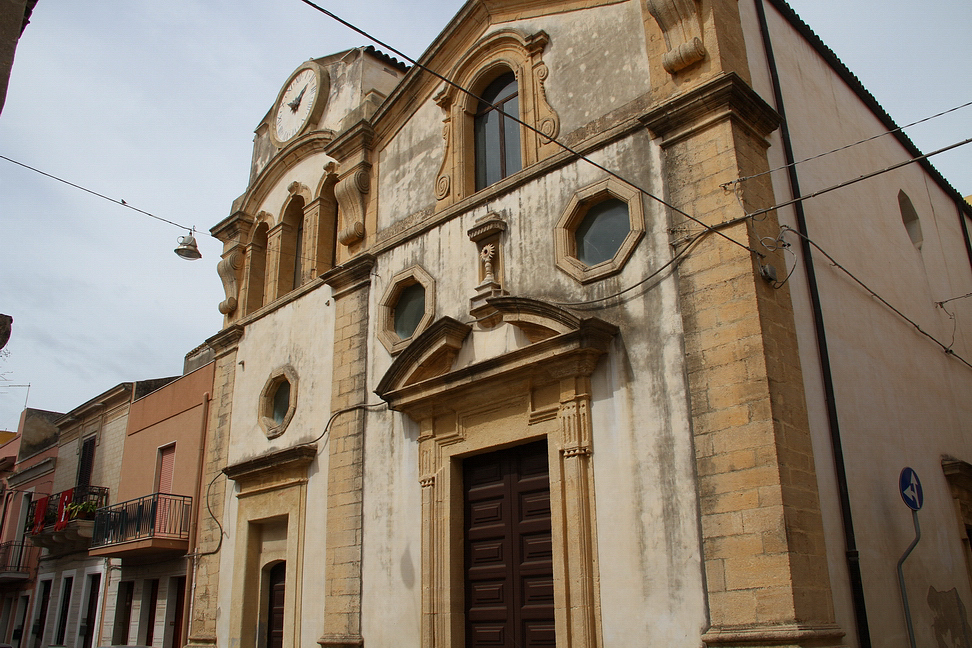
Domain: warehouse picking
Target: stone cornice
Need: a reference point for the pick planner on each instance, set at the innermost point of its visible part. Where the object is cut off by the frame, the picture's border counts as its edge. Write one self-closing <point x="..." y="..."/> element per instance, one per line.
<point x="349" y="275"/>
<point x="289" y="458"/>
<point x="723" y="97"/>
<point x="226" y="340"/>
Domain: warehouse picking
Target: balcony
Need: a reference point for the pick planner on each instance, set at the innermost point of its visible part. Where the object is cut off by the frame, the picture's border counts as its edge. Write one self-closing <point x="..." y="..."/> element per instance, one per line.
<point x="17" y="560"/>
<point x="154" y="524"/>
<point x="65" y="520"/>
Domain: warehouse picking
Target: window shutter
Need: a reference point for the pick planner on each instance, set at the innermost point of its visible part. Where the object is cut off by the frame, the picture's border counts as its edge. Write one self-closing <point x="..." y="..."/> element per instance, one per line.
<point x="87" y="462"/>
<point x="166" y="462"/>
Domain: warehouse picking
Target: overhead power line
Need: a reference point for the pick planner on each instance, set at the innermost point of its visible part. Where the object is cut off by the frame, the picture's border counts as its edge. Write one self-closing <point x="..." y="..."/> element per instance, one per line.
<point x="847" y="146"/>
<point x="516" y="119"/>
<point x="846" y="183"/>
<point x="117" y="201"/>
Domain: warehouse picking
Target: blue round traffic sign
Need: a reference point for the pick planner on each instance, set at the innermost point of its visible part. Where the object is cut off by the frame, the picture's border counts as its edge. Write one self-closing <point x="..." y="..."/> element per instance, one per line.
<point x="910" y="488"/>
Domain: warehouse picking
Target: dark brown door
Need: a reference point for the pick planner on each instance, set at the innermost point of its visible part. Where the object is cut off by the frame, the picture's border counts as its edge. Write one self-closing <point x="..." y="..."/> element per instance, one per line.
<point x="42" y="615"/>
<point x="275" y="610"/>
<point x="180" y="604"/>
<point x="509" y="561"/>
<point x="91" y="615"/>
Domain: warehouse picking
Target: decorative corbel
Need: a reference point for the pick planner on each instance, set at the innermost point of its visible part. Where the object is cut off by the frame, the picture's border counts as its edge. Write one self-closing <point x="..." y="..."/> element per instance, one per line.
<point x="487" y="235"/>
<point x="547" y="119"/>
<point x="228" y="270"/>
<point x="679" y="22"/>
<point x="352" y="150"/>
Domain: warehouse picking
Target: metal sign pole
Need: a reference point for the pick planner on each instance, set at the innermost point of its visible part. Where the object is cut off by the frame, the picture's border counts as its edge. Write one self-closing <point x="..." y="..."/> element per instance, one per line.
<point x="901" y="580"/>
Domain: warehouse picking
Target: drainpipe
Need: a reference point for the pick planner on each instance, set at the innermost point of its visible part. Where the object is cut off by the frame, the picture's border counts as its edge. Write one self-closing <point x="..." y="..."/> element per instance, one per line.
<point x="193" y="557"/>
<point x="850" y="543"/>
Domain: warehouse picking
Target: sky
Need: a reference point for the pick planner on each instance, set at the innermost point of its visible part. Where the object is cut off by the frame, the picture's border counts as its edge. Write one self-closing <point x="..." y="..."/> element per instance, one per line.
<point x="155" y="103"/>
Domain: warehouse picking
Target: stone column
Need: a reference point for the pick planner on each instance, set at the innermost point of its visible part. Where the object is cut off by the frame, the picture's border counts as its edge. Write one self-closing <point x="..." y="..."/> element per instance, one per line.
<point x="205" y="587"/>
<point x="351" y="284"/>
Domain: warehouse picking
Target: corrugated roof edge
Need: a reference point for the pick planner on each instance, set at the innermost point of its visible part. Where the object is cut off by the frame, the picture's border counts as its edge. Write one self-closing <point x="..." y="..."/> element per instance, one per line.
<point x="855" y="84"/>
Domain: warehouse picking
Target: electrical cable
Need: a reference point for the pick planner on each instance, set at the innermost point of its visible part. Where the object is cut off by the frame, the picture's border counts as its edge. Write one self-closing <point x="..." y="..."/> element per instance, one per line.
<point x="529" y="127"/>
<point x="947" y="300"/>
<point x="674" y="261"/>
<point x="123" y="203"/>
<point x="866" y="176"/>
<point x="946" y="349"/>
<point x="100" y="195"/>
<point x="846" y="146"/>
<point x="352" y="408"/>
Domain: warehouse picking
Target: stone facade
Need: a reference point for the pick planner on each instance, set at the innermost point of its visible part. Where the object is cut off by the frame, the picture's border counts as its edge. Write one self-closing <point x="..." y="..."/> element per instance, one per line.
<point x="391" y="324"/>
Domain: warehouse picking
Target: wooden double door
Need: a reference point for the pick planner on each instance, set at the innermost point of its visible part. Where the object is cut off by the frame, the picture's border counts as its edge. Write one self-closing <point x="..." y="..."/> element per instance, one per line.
<point x="508" y="553"/>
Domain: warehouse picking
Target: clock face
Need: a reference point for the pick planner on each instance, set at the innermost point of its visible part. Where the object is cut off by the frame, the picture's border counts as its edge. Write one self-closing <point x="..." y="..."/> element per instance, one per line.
<point x="295" y="105"/>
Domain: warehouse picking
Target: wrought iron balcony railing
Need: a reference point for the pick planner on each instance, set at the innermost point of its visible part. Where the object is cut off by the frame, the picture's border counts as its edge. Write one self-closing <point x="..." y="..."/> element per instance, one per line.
<point x="80" y="502"/>
<point x="17" y="556"/>
<point x="158" y="515"/>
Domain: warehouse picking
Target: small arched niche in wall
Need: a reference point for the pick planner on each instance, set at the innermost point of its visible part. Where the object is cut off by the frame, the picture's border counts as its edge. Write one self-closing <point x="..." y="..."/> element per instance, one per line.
<point x="910" y="219"/>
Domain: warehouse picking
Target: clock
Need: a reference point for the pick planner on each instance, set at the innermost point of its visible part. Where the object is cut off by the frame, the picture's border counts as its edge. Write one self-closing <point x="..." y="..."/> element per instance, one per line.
<point x="300" y="103"/>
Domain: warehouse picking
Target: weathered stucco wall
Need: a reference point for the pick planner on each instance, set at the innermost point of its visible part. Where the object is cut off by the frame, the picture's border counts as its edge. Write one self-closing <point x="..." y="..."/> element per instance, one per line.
<point x="895" y="408"/>
<point x="647" y="535"/>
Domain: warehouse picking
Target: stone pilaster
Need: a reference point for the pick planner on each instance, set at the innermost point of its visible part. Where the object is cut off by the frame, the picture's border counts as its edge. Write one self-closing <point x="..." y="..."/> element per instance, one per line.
<point x="202" y="621"/>
<point x="578" y="497"/>
<point x="342" y="557"/>
<point x="762" y="532"/>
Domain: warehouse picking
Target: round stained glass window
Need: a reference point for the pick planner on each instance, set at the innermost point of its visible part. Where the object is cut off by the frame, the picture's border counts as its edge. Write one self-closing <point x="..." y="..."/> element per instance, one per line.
<point x="604" y="228"/>
<point x="409" y="310"/>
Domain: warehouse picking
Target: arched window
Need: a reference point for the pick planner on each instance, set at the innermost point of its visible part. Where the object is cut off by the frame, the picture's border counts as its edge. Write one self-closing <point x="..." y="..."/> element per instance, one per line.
<point x="256" y="277"/>
<point x="482" y="146"/>
<point x="497" y="136"/>
<point x="291" y="244"/>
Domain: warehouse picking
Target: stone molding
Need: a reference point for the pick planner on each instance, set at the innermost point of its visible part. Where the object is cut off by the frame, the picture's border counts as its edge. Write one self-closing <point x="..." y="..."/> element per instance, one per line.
<point x="540" y="392"/>
<point x="351" y="275"/>
<point x="289" y="458"/>
<point x="784" y="634"/>
<point x="725" y="97"/>
<point x="385" y="315"/>
<point x="507" y="49"/>
<point x="679" y="22"/>
<point x="565" y="242"/>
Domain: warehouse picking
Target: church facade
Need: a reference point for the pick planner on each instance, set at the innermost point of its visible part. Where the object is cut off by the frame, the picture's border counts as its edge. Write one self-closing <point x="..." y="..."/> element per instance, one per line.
<point x="565" y="379"/>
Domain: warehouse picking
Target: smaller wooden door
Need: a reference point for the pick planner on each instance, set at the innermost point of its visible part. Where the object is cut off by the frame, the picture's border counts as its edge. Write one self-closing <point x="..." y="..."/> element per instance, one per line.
<point x="275" y="609"/>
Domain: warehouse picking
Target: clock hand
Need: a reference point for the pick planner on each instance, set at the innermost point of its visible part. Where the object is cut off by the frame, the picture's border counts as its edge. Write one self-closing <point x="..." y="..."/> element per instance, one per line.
<point x="295" y="104"/>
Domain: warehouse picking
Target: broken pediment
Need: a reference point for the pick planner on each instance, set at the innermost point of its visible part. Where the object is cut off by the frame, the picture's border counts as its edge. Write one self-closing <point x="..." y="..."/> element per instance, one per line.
<point x="554" y="342"/>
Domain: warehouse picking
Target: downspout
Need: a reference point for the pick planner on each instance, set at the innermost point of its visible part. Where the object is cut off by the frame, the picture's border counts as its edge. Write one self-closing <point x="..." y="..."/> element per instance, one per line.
<point x="193" y="558"/>
<point x="843" y="496"/>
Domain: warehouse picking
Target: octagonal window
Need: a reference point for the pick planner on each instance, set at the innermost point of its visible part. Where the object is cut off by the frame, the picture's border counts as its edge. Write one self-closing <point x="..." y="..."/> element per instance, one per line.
<point x="600" y="235"/>
<point x="278" y="401"/>
<point x="409" y="310"/>
<point x="599" y="230"/>
<point x="281" y="402"/>
<point x="406" y="308"/>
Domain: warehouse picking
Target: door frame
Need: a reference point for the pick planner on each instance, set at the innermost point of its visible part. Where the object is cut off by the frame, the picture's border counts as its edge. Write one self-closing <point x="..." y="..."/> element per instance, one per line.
<point x="536" y="392"/>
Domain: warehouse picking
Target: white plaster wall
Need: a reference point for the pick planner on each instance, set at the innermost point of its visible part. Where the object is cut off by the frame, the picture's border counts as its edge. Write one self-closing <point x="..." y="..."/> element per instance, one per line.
<point x="647" y="525"/>
<point x="900" y="400"/>
<point x="301" y="334"/>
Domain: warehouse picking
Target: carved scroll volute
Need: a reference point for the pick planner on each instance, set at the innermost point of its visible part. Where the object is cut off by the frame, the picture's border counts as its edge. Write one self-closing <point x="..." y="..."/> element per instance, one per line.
<point x="679" y="22"/>
<point x="443" y="179"/>
<point x="547" y="119"/>
<point x="229" y="269"/>
<point x="351" y="192"/>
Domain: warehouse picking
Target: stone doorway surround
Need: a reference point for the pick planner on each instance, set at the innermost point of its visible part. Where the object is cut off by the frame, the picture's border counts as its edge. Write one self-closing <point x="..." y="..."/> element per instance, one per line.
<point x="538" y="391"/>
